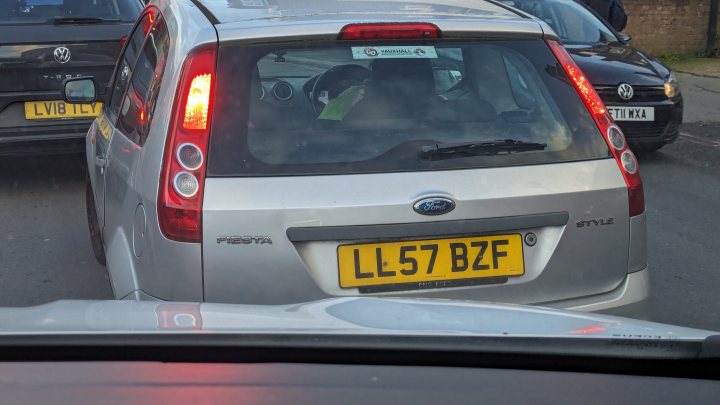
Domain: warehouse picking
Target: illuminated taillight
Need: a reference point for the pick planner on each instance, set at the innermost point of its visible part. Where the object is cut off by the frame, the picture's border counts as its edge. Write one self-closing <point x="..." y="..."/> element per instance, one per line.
<point x="197" y="103"/>
<point x="389" y="31"/>
<point x="149" y="20"/>
<point x="183" y="171"/>
<point x="626" y="160"/>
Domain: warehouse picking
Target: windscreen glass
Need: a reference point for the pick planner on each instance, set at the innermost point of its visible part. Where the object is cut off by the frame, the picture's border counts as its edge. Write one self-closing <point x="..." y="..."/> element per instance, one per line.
<point x="573" y="23"/>
<point x="379" y="107"/>
<point x="54" y="11"/>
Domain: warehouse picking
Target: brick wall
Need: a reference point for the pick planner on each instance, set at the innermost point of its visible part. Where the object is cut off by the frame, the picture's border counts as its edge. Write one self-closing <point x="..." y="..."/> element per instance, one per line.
<point x="668" y="26"/>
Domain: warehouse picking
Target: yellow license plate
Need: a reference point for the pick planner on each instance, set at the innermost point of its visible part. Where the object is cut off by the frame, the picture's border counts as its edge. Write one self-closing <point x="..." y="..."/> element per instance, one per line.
<point x="56" y="109"/>
<point x="431" y="263"/>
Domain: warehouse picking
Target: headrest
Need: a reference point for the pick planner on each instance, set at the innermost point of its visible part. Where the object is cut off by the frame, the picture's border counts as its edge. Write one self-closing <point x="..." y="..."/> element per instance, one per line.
<point x="402" y="69"/>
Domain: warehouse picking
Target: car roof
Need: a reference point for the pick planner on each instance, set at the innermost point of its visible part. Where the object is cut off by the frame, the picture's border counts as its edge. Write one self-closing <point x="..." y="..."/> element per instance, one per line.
<point x="277" y="11"/>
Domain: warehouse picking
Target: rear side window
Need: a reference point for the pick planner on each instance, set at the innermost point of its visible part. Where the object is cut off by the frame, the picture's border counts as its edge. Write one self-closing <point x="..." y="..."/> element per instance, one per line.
<point x="48" y="11"/>
<point x="126" y="64"/>
<point x="138" y="105"/>
<point x="364" y="108"/>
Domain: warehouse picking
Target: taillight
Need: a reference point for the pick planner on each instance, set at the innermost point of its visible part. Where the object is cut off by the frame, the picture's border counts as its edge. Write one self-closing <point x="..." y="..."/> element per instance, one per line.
<point x="182" y="175"/>
<point x="197" y="103"/>
<point x="612" y="134"/>
<point x="389" y="31"/>
<point x="149" y="20"/>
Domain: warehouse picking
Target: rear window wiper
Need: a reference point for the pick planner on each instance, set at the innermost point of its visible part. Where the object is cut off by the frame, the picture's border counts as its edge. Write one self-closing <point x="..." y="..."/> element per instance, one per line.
<point x="82" y="20"/>
<point x="442" y="151"/>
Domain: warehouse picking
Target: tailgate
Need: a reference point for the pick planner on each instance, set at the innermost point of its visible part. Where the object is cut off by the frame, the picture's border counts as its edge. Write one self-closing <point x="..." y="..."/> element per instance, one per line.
<point x="28" y="63"/>
<point x="31" y="75"/>
<point x="308" y="218"/>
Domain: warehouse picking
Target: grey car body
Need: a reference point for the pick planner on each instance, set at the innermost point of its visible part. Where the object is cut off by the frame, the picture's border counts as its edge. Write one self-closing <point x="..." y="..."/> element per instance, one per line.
<point x="336" y="316"/>
<point x="585" y="252"/>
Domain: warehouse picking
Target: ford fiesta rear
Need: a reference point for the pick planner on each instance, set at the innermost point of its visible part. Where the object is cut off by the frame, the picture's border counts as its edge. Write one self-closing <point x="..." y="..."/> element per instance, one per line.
<point x="394" y="161"/>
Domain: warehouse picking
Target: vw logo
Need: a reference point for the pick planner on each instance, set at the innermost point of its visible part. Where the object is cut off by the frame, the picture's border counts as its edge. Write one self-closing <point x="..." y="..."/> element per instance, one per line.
<point x="434" y="206"/>
<point x="625" y="91"/>
<point x="62" y="54"/>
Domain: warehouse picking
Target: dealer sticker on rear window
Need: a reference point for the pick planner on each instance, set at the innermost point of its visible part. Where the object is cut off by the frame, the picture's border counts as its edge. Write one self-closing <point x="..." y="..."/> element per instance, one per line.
<point x="394" y="52"/>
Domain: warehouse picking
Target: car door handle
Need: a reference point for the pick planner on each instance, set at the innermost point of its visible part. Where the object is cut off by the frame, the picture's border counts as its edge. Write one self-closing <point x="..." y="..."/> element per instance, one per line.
<point x="100" y="161"/>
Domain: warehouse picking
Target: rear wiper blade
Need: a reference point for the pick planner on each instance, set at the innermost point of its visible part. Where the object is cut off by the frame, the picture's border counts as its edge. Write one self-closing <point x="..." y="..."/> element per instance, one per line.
<point x="442" y="151"/>
<point x="82" y="20"/>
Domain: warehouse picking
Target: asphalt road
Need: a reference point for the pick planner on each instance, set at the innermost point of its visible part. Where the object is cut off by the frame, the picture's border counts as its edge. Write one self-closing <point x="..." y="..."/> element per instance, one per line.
<point x="682" y="194"/>
<point x="701" y="95"/>
<point x="46" y="254"/>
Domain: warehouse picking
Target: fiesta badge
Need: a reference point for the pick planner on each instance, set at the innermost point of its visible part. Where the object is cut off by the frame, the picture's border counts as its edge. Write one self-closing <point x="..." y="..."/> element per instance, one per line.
<point x="434" y="206"/>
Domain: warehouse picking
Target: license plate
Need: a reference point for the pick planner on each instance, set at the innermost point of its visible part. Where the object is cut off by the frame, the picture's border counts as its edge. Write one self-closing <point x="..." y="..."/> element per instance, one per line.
<point x="430" y="263"/>
<point x="632" y="113"/>
<point x="56" y="109"/>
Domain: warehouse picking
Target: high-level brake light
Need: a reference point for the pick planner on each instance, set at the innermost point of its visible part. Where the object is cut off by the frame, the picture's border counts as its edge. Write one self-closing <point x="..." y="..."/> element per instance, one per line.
<point x="626" y="160"/>
<point x="389" y="31"/>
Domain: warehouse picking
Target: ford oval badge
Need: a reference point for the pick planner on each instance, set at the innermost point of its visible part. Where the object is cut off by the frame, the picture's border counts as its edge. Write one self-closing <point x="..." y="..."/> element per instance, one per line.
<point x="434" y="206"/>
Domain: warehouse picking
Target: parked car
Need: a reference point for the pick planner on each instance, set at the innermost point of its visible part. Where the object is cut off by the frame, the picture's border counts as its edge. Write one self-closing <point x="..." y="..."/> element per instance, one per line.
<point x="271" y="155"/>
<point x="43" y="42"/>
<point x="641" y="93"/>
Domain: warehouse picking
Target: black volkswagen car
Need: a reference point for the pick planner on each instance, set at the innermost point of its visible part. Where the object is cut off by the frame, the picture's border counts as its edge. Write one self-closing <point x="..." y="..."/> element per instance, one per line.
<point x="43" y="42"/>
<point x="641" y="94"/>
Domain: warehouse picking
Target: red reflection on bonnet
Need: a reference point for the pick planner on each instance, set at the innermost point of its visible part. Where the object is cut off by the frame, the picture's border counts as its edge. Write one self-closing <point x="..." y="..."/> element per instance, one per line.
<point x="179" y="316"/>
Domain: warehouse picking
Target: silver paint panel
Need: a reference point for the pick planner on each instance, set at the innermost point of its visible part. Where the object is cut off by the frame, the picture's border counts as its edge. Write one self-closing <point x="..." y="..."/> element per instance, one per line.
<point x="566" y="262"/>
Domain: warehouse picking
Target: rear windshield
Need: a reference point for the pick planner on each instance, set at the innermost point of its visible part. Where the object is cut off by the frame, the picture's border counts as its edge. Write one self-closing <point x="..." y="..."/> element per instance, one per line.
<point x="374" y="107"/>
<point x="50" y="11"/>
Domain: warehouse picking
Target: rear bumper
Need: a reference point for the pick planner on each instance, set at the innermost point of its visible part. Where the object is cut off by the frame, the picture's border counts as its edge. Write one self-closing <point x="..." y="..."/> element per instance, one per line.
<point x="628" y="299"/>
<point x="52" y="138"/>
<point x="19" y="136"/>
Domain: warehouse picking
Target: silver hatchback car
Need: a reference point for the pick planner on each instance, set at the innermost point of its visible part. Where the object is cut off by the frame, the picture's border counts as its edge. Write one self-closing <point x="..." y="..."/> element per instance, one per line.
<point x="280" y="151"/>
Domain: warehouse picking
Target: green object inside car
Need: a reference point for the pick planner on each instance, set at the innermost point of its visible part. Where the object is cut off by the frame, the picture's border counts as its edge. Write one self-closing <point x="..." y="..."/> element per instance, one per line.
<point x="338" y="107"/>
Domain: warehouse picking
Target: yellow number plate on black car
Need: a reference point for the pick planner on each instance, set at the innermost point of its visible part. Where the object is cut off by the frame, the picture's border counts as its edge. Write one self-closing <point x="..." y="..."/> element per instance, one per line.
<point x="56" y="109"/>
<point x="437" y="263"/>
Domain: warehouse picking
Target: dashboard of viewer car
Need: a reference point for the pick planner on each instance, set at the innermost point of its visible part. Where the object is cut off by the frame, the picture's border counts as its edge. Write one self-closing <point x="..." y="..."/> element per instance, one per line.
<point x="271" y="383"/>
<point x="320" y="369"/>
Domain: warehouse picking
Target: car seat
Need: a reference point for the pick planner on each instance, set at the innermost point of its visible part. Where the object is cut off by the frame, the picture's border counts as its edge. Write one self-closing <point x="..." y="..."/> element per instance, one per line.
<point x="396" y="89"/>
